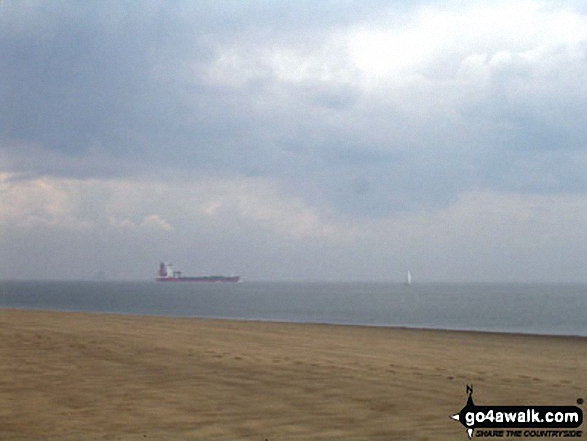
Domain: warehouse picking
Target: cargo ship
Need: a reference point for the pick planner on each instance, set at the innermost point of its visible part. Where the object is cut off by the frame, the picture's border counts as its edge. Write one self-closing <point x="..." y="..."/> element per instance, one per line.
<point x="168" y="274"/>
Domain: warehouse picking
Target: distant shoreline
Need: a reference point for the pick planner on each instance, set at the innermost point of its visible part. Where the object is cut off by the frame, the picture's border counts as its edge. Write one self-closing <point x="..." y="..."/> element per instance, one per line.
<point x="510" y="309"/>
<point x="292" y="322"/>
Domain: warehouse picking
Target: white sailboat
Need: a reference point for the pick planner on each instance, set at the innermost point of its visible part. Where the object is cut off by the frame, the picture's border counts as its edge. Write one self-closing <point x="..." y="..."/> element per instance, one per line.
<point x="409" y="278"/>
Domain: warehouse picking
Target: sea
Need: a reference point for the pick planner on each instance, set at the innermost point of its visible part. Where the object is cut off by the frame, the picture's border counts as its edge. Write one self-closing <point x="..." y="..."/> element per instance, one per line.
<point x="557" y="309"/>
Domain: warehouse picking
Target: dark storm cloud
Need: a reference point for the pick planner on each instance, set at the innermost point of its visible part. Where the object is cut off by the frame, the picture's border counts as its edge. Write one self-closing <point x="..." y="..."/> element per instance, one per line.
<point x="80" y="76"/>
<point x="123" y="76"/>
<point x="114" y="88"/>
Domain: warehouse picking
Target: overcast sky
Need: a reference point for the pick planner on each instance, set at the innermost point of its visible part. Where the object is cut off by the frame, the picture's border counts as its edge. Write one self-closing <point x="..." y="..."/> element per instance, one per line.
<point x="294" y="140"/>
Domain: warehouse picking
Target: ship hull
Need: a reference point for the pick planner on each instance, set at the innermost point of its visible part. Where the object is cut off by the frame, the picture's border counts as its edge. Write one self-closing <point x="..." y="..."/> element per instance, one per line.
<point x="202" y="279"/>
<point x="168" y="274"/>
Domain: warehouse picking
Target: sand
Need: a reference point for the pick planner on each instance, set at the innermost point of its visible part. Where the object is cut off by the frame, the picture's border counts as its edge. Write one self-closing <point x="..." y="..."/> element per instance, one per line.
<point x="70" y="376"/>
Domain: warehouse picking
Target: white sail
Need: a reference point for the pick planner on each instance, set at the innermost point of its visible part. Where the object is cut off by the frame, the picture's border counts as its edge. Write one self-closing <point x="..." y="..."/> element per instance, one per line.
<point x="409" y="278"/>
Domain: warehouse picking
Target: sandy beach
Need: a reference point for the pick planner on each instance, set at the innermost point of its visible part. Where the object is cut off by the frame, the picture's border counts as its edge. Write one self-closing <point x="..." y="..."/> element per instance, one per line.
<point x="81" y="376"/>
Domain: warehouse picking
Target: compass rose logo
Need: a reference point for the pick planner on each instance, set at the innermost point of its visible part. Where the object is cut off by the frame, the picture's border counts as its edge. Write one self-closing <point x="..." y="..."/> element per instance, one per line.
<point x="469" y="407"/>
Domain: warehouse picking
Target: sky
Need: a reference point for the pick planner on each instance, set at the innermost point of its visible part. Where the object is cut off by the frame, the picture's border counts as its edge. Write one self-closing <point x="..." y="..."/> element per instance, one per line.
<point x="294" y="140"/>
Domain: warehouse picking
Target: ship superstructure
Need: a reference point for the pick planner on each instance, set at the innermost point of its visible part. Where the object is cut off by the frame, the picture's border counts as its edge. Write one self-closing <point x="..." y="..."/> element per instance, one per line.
<point x="168" y="274"/>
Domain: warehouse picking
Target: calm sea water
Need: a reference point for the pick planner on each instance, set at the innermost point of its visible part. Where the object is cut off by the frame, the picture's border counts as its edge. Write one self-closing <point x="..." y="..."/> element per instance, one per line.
<point x="534" y="309"/>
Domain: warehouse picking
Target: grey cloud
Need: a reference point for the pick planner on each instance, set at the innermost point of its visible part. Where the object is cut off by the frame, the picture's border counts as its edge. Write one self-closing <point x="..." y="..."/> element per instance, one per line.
<point x="120" y="88"/>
